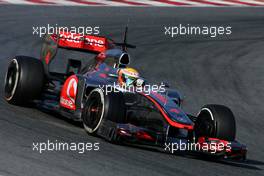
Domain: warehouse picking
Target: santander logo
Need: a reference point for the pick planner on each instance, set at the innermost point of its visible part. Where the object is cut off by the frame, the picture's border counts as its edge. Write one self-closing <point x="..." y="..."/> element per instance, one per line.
<point x="72" y="89"/>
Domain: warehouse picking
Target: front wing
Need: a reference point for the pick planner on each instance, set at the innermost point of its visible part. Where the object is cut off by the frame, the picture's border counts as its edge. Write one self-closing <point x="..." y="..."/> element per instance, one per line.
<point x="131" y="134"/>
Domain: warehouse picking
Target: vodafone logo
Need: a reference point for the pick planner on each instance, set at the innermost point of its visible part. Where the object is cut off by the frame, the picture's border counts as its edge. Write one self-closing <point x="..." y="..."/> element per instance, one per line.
<point x="93" y="41"/>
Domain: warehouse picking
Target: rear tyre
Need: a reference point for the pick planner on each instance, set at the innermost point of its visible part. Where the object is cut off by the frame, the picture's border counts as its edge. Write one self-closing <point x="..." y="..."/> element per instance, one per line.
<point x="216" y="121"/>
<point x="100" y="106"/>
<point x="24" y="80"/>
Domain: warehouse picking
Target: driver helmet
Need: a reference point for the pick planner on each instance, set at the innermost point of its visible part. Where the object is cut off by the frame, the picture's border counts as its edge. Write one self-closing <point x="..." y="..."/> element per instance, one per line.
<point x="127" y="76"/>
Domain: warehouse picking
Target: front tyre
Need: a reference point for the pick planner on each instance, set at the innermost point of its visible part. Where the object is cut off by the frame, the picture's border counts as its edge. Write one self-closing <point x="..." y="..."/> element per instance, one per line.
<point x="216" y="121"/>
<point x="24" y="80"/>
<point x="100" y="106"/>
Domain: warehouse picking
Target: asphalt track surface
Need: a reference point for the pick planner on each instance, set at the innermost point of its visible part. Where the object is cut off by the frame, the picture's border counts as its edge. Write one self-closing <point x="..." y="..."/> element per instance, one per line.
<point x="226" y="70"/>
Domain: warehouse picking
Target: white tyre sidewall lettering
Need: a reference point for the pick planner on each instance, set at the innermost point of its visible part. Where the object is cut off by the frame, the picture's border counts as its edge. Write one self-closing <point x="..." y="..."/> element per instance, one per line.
<point x="16" y="81"/>
<point x="207" y="110"/>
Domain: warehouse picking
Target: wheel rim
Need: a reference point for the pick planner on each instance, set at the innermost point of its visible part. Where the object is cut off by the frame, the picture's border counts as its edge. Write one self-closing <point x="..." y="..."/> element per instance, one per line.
<point x="11" y="80"/>
<point x="204" y="125"/>
<point x="93" y="112"/>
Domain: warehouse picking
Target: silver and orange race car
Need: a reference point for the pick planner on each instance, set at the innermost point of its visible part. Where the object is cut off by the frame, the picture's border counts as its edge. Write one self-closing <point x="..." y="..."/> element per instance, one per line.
<point x="89" y="94"/>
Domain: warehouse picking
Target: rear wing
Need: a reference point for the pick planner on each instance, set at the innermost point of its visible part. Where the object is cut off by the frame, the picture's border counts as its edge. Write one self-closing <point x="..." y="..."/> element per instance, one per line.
<point x="90" y="43"/>
<point x="73" y="41"/>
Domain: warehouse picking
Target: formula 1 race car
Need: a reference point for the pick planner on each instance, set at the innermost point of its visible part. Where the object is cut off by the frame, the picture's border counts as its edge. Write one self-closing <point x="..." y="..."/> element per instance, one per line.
<point x="89" y="94"/>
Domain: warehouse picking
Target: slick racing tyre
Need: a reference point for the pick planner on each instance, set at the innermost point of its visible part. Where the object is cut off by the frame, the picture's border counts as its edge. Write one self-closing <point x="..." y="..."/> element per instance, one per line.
<point x="216" y="121"/>
<point x="24" y="80"/>
<point x="100" y="106"/>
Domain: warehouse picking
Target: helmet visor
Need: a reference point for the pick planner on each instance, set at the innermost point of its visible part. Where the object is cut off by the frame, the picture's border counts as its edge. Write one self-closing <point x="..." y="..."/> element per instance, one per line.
<point x="129" y="80"/>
